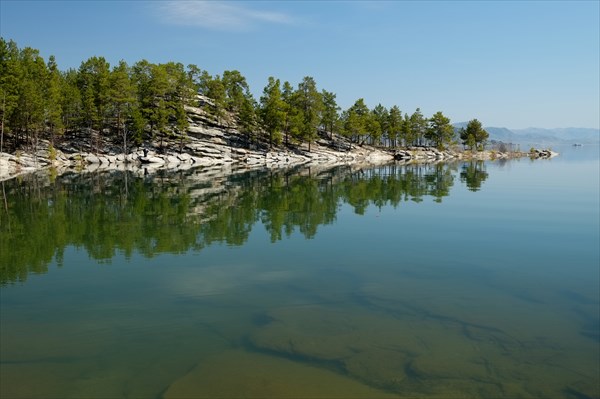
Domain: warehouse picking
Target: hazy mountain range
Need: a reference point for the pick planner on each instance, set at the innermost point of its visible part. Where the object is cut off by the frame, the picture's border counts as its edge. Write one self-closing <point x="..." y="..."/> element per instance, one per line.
<point x="539" y="137"/>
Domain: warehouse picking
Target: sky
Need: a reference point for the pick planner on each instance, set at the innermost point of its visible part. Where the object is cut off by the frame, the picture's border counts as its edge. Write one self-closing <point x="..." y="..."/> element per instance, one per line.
<point x="514" y="64"/>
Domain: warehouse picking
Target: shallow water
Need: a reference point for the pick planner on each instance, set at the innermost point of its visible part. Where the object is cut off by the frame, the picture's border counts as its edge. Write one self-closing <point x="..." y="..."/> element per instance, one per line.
<point x="449" y="280"/>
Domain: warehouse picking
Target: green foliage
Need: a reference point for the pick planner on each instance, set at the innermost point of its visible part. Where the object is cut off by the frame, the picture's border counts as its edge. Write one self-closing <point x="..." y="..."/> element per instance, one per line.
<point x="395" y="126"/>
<point x="247" y="116"/>
<point x="355" y="121"/>
<point x="292" y="119"/>
<point x="148" y="100"/>
<point x="310" y="104"/>
<point x="473" y="174"/>
<point x="53" y="97"/>
<point x="163" y="92"/>
<point x="417" y="128"/>
<point x="214" y="89"/>
<point x="122" y="99"/>
<point x="9" y="76"/>
<point x="474" y="136"/>
<point x="51" y="153"/>
<point x="272" y="110"/>
<point x="330" y="114"/>
<point x="71" y="105"/>
<point x="440" y="131"/>
<point x="379" y="124"/>
<point x="373" y="128"/>
<point x="236" y="91"/>
<point x="24" y="93"/>
<point x="94" y="86"/>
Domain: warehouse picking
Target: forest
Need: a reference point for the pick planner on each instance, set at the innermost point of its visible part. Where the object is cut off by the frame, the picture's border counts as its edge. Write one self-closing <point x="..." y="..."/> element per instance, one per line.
<point x="134" y="104"/>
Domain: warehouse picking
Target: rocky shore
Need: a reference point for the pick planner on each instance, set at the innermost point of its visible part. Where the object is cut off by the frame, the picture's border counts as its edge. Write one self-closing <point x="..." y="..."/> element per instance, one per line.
<point x="208" y="144"/>
<point x="195" y="153"/>
<point x="200" y="153"/>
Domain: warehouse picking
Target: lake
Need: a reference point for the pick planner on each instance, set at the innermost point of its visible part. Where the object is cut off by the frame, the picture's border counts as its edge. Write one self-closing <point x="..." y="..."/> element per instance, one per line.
<point x="471" y="279"/>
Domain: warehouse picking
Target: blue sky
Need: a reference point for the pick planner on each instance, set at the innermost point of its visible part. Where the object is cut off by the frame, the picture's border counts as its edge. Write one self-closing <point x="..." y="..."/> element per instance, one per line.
<point x="513" y="64"/>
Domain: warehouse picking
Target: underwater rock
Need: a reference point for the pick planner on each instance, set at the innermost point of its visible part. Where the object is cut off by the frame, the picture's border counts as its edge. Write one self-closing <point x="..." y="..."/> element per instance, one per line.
<point x="237" y="374"/>
<point x="366" y="346"/>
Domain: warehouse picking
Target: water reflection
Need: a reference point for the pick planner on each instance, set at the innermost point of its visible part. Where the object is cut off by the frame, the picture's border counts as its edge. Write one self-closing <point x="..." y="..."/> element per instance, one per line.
<point x="390" y="306"/>
<point x="473" y="174"/>
<point x="120" y="211"/>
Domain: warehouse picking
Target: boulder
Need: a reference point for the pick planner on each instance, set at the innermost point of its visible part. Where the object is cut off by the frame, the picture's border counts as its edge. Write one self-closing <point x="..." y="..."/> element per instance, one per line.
<point x="184" y="157"/>
<point x="172" y="160"/>
<point x="92" y="159"/>
<point x="152" y="160"/>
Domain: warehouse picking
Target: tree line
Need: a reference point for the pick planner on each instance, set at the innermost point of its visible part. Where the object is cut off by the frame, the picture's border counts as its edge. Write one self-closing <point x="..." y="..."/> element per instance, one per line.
<point x="131" y="104"/>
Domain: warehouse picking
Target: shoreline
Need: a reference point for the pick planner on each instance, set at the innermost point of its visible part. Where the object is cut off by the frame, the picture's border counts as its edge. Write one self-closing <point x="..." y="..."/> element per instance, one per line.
<point x="201" y="153"/>
<point x="212" y="143"/>
<point x="208" y="144"/>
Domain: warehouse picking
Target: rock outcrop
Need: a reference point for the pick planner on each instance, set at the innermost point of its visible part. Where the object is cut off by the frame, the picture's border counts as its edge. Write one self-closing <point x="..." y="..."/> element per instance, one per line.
<point x="545" y="153"/>
<point x="213" y="142"/>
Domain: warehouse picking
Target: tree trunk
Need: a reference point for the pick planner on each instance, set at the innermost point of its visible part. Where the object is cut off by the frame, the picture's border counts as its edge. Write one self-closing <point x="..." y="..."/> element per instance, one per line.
<point x="2" y="127"/>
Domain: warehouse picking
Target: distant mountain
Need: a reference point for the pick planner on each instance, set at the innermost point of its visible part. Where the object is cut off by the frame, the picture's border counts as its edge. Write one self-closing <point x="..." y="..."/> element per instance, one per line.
<point x="577" y="135"/>
<point x="541" y="137"/>
<point x="501" y="134"/>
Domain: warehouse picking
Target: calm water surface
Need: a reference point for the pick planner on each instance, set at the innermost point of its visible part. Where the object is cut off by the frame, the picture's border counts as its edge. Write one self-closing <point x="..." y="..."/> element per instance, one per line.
<point x="434" y="281"/>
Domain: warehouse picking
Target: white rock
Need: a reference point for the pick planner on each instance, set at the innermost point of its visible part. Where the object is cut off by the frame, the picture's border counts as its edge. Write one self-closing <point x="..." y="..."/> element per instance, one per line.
<point x="92" y="159"/>
<point x="172" y="160"/>
<point x="184" y="157"/>
<point x="154" y="160"/>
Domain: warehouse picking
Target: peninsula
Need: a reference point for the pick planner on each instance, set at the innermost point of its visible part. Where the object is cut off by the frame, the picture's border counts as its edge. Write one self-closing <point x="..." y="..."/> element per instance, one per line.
<point x="170" y="116"/>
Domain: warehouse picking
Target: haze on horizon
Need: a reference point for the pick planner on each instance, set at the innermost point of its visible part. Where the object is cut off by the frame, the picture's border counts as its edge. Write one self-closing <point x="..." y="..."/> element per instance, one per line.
<point x="509" y="64"/>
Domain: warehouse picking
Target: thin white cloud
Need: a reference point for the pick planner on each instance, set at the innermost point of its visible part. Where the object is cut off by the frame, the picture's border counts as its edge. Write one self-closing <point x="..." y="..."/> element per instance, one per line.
<point x="218" y="15"/>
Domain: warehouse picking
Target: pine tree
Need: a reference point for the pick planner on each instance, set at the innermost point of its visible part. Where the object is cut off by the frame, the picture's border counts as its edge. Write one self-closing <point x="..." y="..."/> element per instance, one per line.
<point x="474" y="136"/>
<point x="440" y="131"/>
<point x="71" y="100"/>
<point x="9" y="83"/>
<point x="292" y="122"/>
<point x="247" y="116"/>
<point x="30" y="111"/>
<point x="214" y="89"/>
<point x="122" y="99"/>
<point x="158" y="90"/>
<point x="272" y="110"/>
<point x="94" y="86"/>
<point x="310" y="104"/>
<point x="395" y="123"/>
<point x="330" y="114"/>
<point x="380" y="115"/>
<point x="356" y="121"/>
<point x="54" y="94"/>
<point x="236" y="87"/>
<point x="418" y="128"/>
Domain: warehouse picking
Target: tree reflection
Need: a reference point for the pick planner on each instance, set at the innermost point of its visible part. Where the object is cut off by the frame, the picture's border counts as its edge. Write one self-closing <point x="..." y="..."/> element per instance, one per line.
<point x="473" y="174"/>
<point x="106" y="213"/>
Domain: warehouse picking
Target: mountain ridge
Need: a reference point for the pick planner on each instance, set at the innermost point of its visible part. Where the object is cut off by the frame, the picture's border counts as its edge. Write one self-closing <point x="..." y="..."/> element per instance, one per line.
<point x="541" y="136"/>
